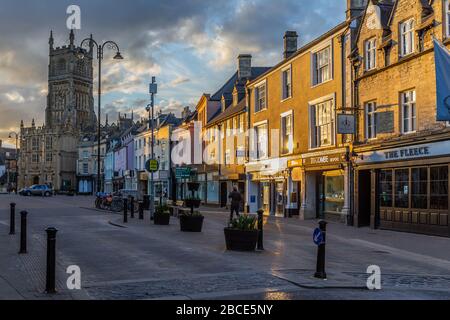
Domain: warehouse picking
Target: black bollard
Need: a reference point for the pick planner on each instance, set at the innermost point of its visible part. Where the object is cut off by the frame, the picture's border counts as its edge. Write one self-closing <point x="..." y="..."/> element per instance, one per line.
<point x="50" y="283"/>
<point x="132" y="207"/>
<point x="141" y="210"/>
<point x="260" y="229"/>
<point x="23" y="232"/>
<point x="12" y="220"/>
<point x="125" y="210"/>
<point x="320" y="269"/>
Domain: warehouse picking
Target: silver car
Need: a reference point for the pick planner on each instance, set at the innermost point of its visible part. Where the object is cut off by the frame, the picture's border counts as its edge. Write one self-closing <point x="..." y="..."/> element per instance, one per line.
<point x="37" y="190"/>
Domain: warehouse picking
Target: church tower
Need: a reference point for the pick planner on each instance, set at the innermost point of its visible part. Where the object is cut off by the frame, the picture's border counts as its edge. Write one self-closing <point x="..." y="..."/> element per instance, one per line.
<point x="70" y="98"/>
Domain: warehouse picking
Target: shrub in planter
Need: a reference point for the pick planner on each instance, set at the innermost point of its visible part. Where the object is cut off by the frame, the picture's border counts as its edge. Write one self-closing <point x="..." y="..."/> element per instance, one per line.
<point x="242" y="235"/>
<point x="162" y="216"/>
<point x="192" y="202"/>
<point x="192" y="222"/>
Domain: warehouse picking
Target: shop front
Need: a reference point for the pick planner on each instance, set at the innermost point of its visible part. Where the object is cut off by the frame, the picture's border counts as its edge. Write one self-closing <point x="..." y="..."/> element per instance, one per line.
<point x="269" y="187"/>
<point x="404" y="188"/>
<point x="324" y="184"/>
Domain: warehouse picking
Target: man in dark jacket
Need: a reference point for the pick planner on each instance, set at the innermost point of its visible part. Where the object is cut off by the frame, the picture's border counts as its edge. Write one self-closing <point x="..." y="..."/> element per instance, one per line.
<point x="236" y="200"/>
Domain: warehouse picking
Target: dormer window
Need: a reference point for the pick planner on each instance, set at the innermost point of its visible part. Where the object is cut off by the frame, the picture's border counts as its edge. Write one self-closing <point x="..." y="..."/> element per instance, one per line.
<point x="370" y="54"/>
<point x="407" y="37"/>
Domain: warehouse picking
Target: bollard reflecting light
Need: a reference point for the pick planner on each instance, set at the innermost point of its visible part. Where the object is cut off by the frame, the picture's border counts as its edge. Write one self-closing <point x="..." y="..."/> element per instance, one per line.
<point x="132" y="207"/>
<point x="23" y="232"/>
<point x="12" y="219"/>
<point x="141" y="210"/>
<point x="260" y="229"/>
<point x="50" y="284"/>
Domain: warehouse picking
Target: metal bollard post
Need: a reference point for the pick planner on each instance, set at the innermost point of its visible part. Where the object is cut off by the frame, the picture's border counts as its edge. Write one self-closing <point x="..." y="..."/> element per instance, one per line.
<point x="23" y="232"/>
<point x="260" y="229"/>
<point x="320" y="269"/>
<point x="125" y="210"/>
<point x="12" y="220"/>
<point x="50" y="283"/>
<point x="141" y="210"/>
<point x="132" y="207"/>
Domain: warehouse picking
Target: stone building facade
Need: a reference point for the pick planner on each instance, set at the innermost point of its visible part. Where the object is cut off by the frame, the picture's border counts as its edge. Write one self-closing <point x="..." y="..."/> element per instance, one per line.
<point x="50" y="152"/>
<point x="401" y="152"/>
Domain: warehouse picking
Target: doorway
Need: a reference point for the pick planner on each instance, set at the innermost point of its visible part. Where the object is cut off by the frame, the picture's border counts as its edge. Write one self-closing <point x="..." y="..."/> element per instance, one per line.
<point x="223" y="194"/>
<point x="364" y="198"/>
<point x="36" y="180"/>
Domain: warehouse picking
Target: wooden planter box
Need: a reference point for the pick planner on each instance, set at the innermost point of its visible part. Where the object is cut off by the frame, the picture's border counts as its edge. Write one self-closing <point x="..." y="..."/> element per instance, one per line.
<point x="191" y="223"/>
<point x="239" y="240"/>
<point x="162" y="219"/>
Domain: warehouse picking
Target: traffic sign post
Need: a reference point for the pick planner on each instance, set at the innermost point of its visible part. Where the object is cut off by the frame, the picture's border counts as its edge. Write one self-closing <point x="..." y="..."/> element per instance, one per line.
<point x="319" y="238"/>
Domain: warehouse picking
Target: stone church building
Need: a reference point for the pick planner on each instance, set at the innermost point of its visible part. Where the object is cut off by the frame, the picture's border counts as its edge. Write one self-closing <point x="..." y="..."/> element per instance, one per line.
<point x="49" y="153"/>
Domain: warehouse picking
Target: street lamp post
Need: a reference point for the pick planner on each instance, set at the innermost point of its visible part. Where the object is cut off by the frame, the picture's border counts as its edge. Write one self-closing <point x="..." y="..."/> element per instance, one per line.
<point x="100" y="49"/>
<point x="153" y="89"/>
<point x="16" y="174"/>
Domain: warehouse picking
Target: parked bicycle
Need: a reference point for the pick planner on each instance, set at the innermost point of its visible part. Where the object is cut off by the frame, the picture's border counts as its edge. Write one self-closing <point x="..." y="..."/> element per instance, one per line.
<point x="114" y="203"/>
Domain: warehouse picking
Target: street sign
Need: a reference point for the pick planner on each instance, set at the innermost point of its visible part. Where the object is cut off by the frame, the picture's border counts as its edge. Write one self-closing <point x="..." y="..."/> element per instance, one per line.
<point x="346" y="124"/>
<point x="183" y="173"/>
<point x="152" y="165"/>
<point x="318" y="237"/>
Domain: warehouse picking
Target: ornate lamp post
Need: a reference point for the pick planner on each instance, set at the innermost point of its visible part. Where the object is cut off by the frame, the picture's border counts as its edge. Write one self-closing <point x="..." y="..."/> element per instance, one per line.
<point x="100" y="49"/>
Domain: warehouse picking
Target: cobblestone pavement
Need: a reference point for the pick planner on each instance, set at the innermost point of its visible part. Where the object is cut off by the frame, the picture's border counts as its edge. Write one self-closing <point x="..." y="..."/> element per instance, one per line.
<point x="139" y="260"/>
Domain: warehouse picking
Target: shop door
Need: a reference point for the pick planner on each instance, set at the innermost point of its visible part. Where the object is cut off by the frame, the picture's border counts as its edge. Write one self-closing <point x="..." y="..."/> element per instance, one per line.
<point x="364" y="198"/>
<point x="280" y="198"/>
<point x="265" y="197"/>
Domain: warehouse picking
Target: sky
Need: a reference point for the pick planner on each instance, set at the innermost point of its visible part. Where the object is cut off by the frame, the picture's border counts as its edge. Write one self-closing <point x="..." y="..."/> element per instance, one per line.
<point x="191" y="46"/>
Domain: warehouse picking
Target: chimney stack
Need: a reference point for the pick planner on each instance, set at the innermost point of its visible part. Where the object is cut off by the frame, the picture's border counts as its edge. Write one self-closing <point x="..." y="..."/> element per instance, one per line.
<point x="244" y="66"/>
<point x="355" y="8"/>
<point x="290" y="43"/>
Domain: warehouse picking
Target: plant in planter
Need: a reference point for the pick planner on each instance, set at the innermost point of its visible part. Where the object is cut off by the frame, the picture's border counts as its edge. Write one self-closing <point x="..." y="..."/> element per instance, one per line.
<point x="162" y="215"/>
<point x="191" y="222"/>
<point x="242" y="235"/>
<point x="192" y="202"/>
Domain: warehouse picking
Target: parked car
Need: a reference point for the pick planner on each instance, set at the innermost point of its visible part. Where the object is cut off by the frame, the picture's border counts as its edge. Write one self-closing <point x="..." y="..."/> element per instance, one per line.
<point x="37" y="190"/>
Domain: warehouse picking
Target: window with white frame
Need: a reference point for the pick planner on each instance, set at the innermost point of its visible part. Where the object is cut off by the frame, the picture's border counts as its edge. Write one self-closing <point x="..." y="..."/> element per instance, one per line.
<point x="260" y="97"/>
<point x="407" y="37"/>
<point x="322" y="124"/>
<point x="447" y="15"/>
<point x="408" y="105"/>
<point x="287" y="133"/>
<point x="322" y="66"/>
<point x="370" y="54"/>
<point x="85" y="168"/>
<point x="262" y="141"/>
<point x="287" y="83"/>
<point x="371" y="126"/>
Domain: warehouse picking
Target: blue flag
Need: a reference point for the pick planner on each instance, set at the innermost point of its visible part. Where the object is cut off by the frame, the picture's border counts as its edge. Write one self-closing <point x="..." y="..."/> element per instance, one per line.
<point x="442" y="59"/>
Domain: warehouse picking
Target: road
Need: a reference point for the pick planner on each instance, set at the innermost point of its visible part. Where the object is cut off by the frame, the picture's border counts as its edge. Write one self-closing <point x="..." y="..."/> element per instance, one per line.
<point x="143" y="261"/>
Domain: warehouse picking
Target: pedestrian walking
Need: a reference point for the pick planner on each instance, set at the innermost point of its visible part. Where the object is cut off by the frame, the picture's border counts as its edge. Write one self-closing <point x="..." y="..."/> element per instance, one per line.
<point x="236" y="199"/>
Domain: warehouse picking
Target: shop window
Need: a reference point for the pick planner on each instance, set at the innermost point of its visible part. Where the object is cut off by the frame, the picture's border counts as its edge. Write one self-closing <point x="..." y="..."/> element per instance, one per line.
<point x="386" y="188"/>
<point x="333" y="192"/>
<point x="419" y="193"/>
<point x="439" y="188"/>
<point x="402" y="188"/>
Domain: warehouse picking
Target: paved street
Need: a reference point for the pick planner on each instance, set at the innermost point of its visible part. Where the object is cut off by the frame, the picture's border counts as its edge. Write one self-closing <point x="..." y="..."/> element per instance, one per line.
<point x="143" y="261"/>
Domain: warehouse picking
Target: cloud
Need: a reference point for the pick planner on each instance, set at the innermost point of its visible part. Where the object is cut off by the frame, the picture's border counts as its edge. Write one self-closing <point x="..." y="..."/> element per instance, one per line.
<point x="191" y="46"/>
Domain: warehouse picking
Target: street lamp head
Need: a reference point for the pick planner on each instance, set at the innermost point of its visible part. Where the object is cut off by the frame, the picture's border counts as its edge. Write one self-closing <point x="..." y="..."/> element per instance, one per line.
<point x="118" y="56"/>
